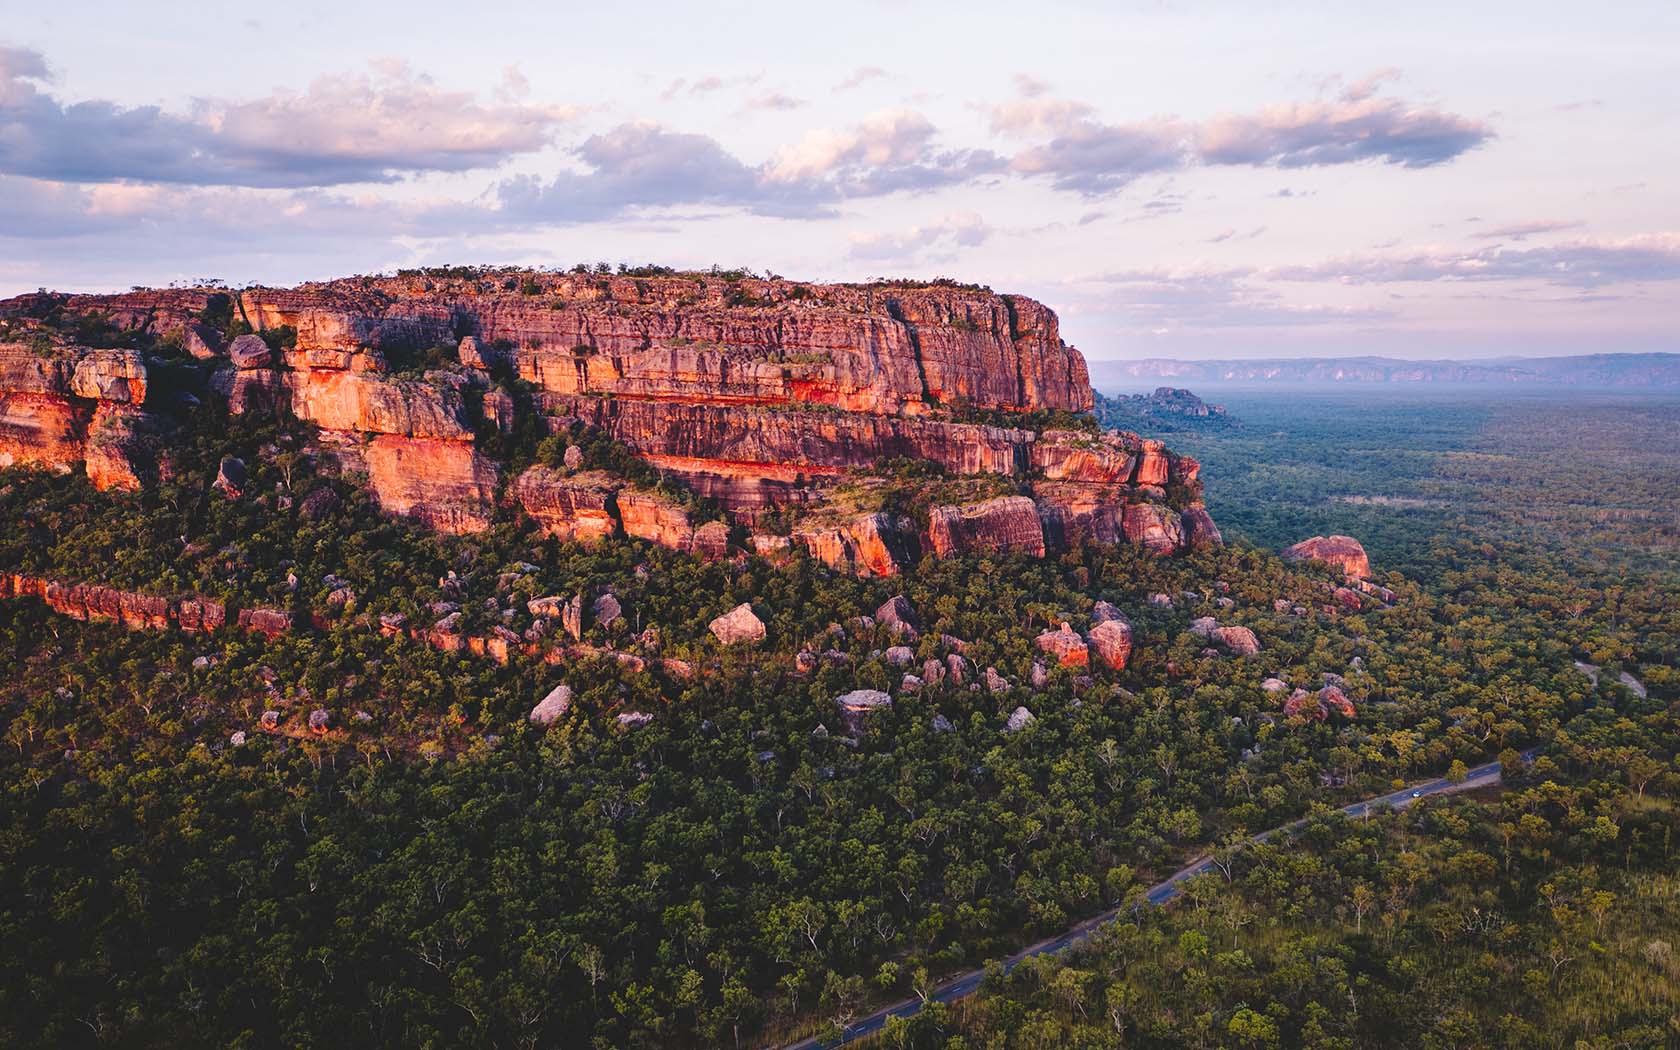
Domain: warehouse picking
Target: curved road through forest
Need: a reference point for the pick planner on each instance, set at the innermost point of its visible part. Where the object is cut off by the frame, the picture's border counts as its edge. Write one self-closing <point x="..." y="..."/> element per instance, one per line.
<point x="966" y="984"/>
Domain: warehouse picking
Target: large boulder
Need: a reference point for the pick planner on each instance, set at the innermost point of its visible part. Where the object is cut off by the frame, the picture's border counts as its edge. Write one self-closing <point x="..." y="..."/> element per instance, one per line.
<point x="202" y="342"/>
<point x="1153" y="527"/>
<point x="738" y="625"/>
<point x="899" y="617"/>
<point x="1065" y="645"/>
<point x="231" y="477"/>
<point x="556" y="703"/>
<point x="1199" y="528"/>
<point x="1111" y="640"/>
<point x="249" y="351"/>
<point x="1019" y="719"/>
<point x="111" y="375"/>
<point x="1239" y="640"/>
<point x="1344" y="552"/>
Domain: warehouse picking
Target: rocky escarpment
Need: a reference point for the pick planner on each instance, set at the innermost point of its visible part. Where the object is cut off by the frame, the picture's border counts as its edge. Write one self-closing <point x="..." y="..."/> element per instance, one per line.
<point x="760" y="395"/>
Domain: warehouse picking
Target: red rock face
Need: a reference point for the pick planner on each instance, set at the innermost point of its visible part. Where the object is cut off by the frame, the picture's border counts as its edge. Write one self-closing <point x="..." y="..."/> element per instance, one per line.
<point x="756" y="393"/>
<point x="589" y="505"/>
<point x="1344" y="552"/>
<point x="41" y="430"/>
<point x="579" y="507"/>
<point x="1003" y="525"/>
<point x="1153" y="527"/>
<point x="86" y="601"/>
<point x="868" y="545"/>
<point x="446" y="484"/>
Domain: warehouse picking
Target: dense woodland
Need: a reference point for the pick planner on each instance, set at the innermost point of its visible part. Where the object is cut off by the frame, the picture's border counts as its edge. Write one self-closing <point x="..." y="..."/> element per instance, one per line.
<point x="436" y="871"/>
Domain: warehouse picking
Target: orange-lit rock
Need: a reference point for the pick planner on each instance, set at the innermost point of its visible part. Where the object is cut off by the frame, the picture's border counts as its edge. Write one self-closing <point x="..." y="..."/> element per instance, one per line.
<point x="568" y="507"/>
<point x="1344" y="552"/>
<point x="1002" y="525"/>
<point x="445" y="484"/>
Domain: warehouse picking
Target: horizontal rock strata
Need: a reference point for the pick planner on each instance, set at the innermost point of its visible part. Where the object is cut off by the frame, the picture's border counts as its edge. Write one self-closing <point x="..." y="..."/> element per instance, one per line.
<point x="758" y="394"/>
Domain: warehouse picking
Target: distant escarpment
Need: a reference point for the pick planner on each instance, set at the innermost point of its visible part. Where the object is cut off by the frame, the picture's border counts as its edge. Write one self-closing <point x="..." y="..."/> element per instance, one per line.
<point x="869" y="425"/>
<point x="1167" y="410"/>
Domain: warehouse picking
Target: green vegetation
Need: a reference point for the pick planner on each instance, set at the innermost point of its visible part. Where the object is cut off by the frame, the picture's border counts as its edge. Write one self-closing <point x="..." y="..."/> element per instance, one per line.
<point x="435" y="870"/>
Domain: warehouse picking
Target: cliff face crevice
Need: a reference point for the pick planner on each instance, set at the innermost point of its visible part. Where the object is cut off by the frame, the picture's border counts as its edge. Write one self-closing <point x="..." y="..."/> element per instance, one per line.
<point x="759" y="394"/>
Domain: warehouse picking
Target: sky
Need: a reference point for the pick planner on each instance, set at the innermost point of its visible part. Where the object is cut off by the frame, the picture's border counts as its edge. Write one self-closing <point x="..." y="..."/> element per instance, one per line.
<point x="1195" y="180"/>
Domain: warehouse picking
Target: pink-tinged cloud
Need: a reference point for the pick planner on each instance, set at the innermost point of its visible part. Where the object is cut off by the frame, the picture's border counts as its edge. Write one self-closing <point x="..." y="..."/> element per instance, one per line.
<point x="340" y="130"/>
<point x="1518" y="231"/>
<point x="862" y="75"/>
<point x="1087" y="156"/>
<point x="1349" y="129"/>
<point x="1163" y="299"/>
<point x="642" y="166"/>
<point x="966" y="229"/>
<point x="1584" y="263"/>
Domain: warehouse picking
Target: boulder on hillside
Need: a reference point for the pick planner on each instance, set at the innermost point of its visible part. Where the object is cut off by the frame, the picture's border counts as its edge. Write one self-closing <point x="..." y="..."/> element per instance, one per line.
<point x="1239" y="640"/>
<point x="470" y="353"/>
<point x="738" y="625"/>
<point x="1102" y="612"/>
<point x="201" y="341"/>
<point x="556" y="703"/>
<point x="1331" y="700"/>
<point x="1019" y="719"/>
<point x="249" y="351"/>
<point x="606" y="610"/>
<point x="1112" y="642"/>
<point x="858" y="704"/>
<point x="1274" y="685"/>
<point x="230" y="477"/>
<point x="1065" y="645"/>
<point x="1199" y="529"/>
<point x="996" y="683"/>
<point x="1344" y="552"/>
<point x="1204" y="626"/>
<point x="899" y="616"/>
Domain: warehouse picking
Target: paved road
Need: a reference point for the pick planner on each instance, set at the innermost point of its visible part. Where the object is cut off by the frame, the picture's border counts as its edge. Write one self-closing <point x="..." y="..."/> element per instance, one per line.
<point x="965" y="984"/>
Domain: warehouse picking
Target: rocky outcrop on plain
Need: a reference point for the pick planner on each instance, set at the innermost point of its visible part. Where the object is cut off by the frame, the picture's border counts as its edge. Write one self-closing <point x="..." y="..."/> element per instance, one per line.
<point x="136" y="611"/>
<point x="552" y="706"/>
<point x="738" y="625"/>
<point x="759" y="394"/>
<point x="1111" y="640"/>
<point x="1066" y="645"/>
<point x="1344" y="552"/>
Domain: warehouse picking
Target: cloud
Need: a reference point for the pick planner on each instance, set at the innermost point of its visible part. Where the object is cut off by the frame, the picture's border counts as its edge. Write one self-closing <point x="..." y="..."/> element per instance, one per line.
<point x="886" y="152"/>
<point x="1096" y="159"/>
<point x="638" y="165"/>
<point x="1584" y="263"/>
<point x="1518" y="231"/>
<point x="707" y="85"/>
<point x="1201" y="297"/>
<point x="967" y="230"/>
<point x="773" y="100"/>
<point x="862" y="75"/>
<point x="344" y="129"/>
<point x="1232" y="234"/>
<point x="1350" y="129"/>
<point x="254" y="220"/>
<point x="643" y="165"/>
<point x="1087" y="156"/>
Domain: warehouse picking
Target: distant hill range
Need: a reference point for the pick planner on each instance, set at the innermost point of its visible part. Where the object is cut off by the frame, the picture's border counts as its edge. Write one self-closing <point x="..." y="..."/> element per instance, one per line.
<point x="1167" y="410"/>
<point x="1587" y="370"/>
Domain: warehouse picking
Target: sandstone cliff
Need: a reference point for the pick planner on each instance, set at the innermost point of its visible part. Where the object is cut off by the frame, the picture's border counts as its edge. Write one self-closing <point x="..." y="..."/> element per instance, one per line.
<point x="762" y="395"/>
